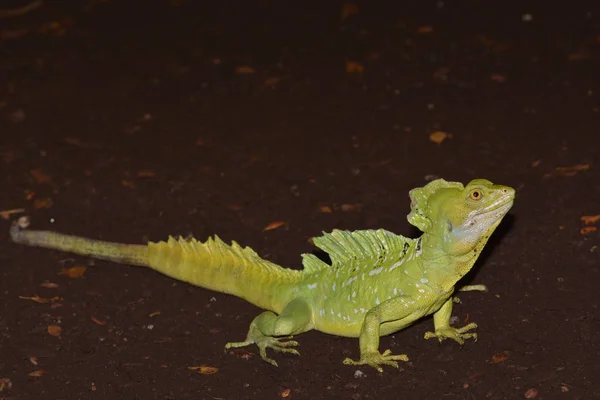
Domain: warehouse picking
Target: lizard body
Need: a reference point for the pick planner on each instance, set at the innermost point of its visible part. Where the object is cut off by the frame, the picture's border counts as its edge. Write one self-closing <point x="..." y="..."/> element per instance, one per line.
<point x="377" y="283"/>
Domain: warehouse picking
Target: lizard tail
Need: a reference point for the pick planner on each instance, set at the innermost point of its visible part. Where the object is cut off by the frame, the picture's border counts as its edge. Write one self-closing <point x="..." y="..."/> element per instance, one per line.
<point x="121" y="253"/>
<point x="212" y="264"/>
<point x="225" y="268"/>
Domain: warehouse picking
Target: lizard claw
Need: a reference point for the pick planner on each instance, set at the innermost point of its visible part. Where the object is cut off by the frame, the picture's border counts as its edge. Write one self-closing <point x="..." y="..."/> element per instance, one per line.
<point x="457" y="334"/>
<point x="376" y="359"/>
<point x="282" y="345"/>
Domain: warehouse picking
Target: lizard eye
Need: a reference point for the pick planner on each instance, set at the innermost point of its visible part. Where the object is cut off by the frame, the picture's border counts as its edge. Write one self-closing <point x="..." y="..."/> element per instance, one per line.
<point x="476" y="195"/>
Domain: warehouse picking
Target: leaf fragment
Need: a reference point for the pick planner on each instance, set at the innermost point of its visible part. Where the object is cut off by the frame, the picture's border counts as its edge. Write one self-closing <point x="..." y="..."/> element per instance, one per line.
<point x="40" y="176"/>
<point x="37" y="372"/>
<point x="348" y="9"/>
<point x="74" y="272"/>
<point x="40" y="300"/>
<point x="273" y="225"/>
<point x="588" y="229"/>
<point x="54" y="330"/>
<point x="569" y="171"/>
<point x="45" y="202"/>
<point x="590" y="219"/>
<point x="352" y="67"/>
<point x="245" y="70"/>
<point x="500" y="357"/>
<point x="5" y="214"/>
<point x="204" y="369"/>
<point x="439" y="136"/>
<point x="325" y="209"/>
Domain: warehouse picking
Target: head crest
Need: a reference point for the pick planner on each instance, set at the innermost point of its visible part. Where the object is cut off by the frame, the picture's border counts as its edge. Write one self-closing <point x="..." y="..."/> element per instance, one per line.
<point x="419" y="200"/>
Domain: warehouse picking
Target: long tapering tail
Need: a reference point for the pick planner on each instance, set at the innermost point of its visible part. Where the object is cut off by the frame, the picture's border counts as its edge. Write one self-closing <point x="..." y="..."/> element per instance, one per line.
<point x="212" y="264"/>
<point x="131" y="254"/>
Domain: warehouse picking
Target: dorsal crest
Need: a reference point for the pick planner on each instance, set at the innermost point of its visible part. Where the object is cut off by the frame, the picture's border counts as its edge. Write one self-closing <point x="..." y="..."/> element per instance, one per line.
<point x="347" y="248"/>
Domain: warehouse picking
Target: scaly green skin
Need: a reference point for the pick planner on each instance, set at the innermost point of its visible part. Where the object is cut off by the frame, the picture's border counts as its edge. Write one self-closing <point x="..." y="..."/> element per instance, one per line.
<point x="378" y="282"/>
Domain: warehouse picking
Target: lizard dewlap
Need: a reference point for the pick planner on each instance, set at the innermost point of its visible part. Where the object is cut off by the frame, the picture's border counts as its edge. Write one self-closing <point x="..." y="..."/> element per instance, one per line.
<point x="378" y="282"/>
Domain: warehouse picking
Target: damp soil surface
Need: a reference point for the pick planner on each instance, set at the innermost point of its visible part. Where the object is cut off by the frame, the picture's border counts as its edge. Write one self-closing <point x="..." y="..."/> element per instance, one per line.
<point x="268" y="122"/>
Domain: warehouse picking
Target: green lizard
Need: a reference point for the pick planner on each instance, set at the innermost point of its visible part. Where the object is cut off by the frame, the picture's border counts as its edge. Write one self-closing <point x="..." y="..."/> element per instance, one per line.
<point x="378" y="283"/>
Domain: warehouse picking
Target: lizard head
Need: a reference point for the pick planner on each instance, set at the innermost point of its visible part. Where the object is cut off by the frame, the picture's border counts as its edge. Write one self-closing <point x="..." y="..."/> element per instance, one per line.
<point x="461" y="217"/>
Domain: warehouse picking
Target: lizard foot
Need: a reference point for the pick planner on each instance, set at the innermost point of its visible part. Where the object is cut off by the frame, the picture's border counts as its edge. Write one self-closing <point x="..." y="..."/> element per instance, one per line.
<point x="457" y="334"/>
<point x="376" y="359"/>
<point x="282" y="345"/>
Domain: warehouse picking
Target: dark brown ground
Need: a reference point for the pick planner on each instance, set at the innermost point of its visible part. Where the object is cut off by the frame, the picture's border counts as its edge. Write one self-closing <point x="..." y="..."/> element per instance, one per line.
<point x="130" y="117"/>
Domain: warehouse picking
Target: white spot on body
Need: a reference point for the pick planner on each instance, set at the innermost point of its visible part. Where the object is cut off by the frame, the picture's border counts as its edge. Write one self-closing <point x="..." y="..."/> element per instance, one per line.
<point x="421" y="291"/>
<point x="377" y="301"/>
<point x="355" y="311"/>
<point x="333" y="287"/>
<point x="376" y="271"/>
<point x="424" y="280"/>
<point x="396" y="265"/>
<point x="312" y="286"/>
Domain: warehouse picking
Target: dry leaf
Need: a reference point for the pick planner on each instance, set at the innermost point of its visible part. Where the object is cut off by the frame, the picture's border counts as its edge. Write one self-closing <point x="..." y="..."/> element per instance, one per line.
<point x="204" y="369"/>
<point x="272" y="81"/>
<point x="127" y="183"/>
<point x="425" y="29"/>
<point x="146" y="173"/>
<point x="54" y="330"/>
<point x="245" y="70"/>
<point x="351" y="207"/>
<point x="40" y="300"/>
<point x="154" y="314"/>
<point x="38" y="372"/>
<point x="285" y="393"/>
<point x="49" y="285"/>
<point x="325" y="209"/>
<point x="40" y="177"/>
<point x="588" y="229"/>
<point x="439" y="136"/>
<point x="98" y="321"/>
<point x="74" y="272"/>
<point x="531" y="393"/>
<point x="274" y="225"/>
<point x="353" y="67"/>
<point x="348" y="10"/>
<point x="590" y="219"/>
<point x="568" y="171"/>
<point x="7" y="213"/>
<point x="5" y="384"/>
<point x="499" y="357"/>
<point x="45" y="202"/>
<point x="75" y="141"/>
<point x="536" y="163"/>
<point x="33" y="361"/>
<point x="243" y="354"/>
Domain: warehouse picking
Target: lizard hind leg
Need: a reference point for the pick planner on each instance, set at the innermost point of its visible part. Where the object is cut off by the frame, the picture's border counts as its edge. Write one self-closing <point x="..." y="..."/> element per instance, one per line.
<point x="269" y="330"/>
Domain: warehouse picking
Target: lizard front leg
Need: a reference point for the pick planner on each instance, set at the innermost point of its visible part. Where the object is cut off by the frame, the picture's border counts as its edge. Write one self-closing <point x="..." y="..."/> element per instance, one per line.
<point x="392" y="311"/>
<point x="269" y="330"/>
<point x="443" y="330"/>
